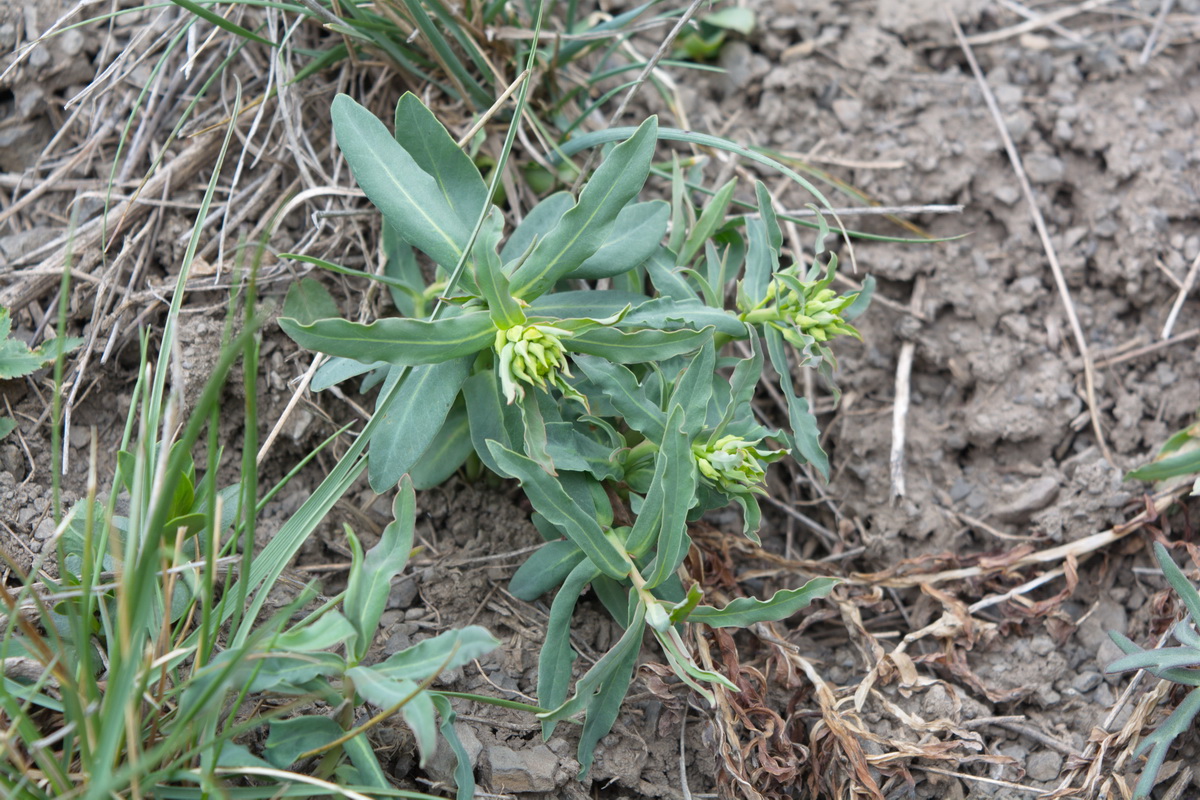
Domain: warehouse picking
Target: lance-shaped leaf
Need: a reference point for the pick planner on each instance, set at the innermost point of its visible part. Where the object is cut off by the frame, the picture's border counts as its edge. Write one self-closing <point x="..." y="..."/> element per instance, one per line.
<point x="464" y="775"/>
<point x="407" y="342"/>
<point x="621" y="388"/>
<point x="491" y="280"/>
<point x="583" y="229"/>
<point x="557" y="655"/>
<point x="370" y="582"/>
<point x="667" y="279"/>
<point x="634" y="237"/>
<point x="540" y="220"/>
<point x="412" y="419"/>
<point x="679" y="479"/>
<point x="636" y="347"/>
<point x="712" y="218"/>
<point x="449" y="450"/>
<point x="434" y="151"/>
<point x="553" y="502"/>
<point x="584" y="303"/>
<point x="663" y="312"/>
<point x="805" y="436"/>
<point x="693" y="388"/>
<point x="604" y="707"/>
<point x="387" y="691"/>
<point x="546" y="568"/>
<point x="587" y="686"/>
<point x="410" y="198"/>
<point x="746" y="611"/>
<point x="490" y="417"/>
<point x="444" y="651"/>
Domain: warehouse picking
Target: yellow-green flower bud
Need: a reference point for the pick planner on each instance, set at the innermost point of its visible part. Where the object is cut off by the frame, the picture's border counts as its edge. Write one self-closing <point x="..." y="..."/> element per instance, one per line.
<point x="533" y="355"/>
<point x="732" y="463"/>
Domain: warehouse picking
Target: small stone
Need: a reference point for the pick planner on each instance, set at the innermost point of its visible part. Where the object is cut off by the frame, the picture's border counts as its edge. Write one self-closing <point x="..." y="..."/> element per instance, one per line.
<point x="45" y="529"/>
<point x="1032" y="496"/>
<point x="1044" y="766"/>
<point x="440" y="766"/>
<point x="1042" y="645"/>
<point x="1042" y="168"/>
<point x="516" y="771"/>
<point x="1086" y="681"/>
<point x="848" y="112"/>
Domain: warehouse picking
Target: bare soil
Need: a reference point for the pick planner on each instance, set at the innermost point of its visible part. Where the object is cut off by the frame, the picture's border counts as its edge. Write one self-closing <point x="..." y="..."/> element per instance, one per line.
<point x="936" y="669"/>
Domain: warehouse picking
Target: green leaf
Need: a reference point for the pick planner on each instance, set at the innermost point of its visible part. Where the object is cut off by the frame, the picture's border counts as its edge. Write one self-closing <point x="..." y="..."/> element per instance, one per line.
<point x="1160" y="741"/>
<point x="604" y="707"/>
<point x="7" y="426"/>
<point x="584" y="303"/>
<point x="1186" y="463"/>
<point x="308" y="301"/>
<point x="861" y="301"/>
<point x="336" y="370"/>
<point x="328" y="630"/>
<point x="610" y="662"/>
<point x="664" y="312"/>
<point x="557" y="655"/>
<point x="424" y="658"/>
<point x="746" y="611"/>
<point x="492" y="281"/>
<point x="280" y="673"/>
<point x="570" y="448"/>
<point x="386" y="691"/>
<point x="435" y="152"/>
<point x="635" y="236"/>
<point x="712" y="218"/>
<point x="403" y="269"/>
<point x="805" y="436"/>
<point x="449" y="450"/>
<point x="667" y="279"/>
<point x="734" y="18"/>
<point x="363" y="758"/>
<point x="490" y="417"/>
<point x="464" y="776"/>
<point x="584" y="228"/>
<point x="410" y="198"/>
<point x="17" y="360"/>
<point x="1179" y="582"/>
<point x="534" y="425"/>
<point x="368" y="588"/>
<point x="288" y="738"/>
<point x="693" y="389"/>
<point x="622" y="389"/>
<point x="546" y="568"/>
<point x="552" y="501"/>
<point x="540" y="220"/>
<point x="408" y="342"/>
<point x="222" y="23"/>
<point x="636" y="347"/>
<point x="412" y="419"/>
<point x="679" y="479"/>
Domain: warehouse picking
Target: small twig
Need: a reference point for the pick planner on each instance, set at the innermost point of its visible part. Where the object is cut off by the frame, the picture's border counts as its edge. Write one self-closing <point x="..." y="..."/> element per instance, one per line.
<point x="637" y="84"/>
<point x="1036" y="735"/>
<point x="507" y="93"/>
<point x="873" y="211"/>
<point x="1150" y="348"/>
<point x="287" y="411"/>
<point x="683" y="778"/>
<point x="1184" y="291"/>
<point x="903" y="393"/>
<point x="991" y="37"/>
<point x="1039" y="221"/>
<point x="993" y="781"/>
<point x="1156" y="31"/>
<point x="1020" y="10"/>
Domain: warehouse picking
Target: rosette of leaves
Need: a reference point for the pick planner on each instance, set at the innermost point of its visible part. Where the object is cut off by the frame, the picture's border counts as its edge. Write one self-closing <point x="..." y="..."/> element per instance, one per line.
<point x="615" y="408"/>
<point x="1177" y="664"/>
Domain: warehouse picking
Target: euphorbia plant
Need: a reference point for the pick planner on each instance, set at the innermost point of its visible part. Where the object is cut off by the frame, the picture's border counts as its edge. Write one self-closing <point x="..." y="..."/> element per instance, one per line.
<point x="614" y="407"/>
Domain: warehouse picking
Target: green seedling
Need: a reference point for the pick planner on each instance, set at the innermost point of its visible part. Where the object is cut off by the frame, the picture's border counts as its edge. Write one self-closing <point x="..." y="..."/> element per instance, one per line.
<point x="17" y="359"/>
<point x="1177" y="664"/>
<point x="1178" y="458"/>
<point x="606" y="404"/>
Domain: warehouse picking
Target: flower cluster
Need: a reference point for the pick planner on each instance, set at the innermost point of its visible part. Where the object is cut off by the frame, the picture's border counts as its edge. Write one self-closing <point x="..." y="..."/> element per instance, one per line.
<point x="531" y="354"/>
<point x="733" y="464"/>
<point x="815" y="312"/>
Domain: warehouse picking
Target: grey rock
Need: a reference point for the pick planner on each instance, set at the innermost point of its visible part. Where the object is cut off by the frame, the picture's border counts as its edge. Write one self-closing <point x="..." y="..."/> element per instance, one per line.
<point x="1032" y="496"/>
<point x="440" y="766"/>
<point x="516" y="771"/>
<point x="848" y="112"/>
<point x="1086" y="681"/>
<point x="1043" y="766"/>
<point x="45" y="529"/>
<point x="1042" y="168"/>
